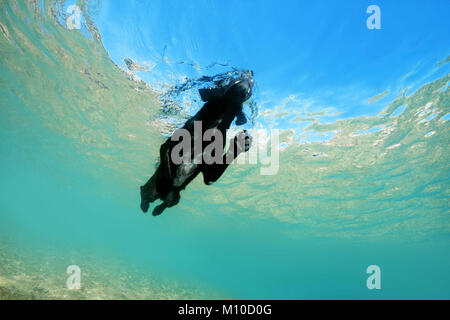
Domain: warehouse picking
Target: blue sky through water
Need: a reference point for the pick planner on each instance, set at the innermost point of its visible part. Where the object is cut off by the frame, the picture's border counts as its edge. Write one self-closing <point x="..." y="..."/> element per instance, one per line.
<point x="306" y="55"/>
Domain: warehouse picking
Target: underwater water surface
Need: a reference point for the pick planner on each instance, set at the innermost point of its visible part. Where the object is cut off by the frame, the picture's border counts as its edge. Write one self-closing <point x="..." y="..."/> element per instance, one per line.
<point x="80" y="132"/>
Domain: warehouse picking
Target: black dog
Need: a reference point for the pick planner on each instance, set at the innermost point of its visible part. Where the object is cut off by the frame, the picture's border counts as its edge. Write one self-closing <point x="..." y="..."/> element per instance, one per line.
<point x="223" y="105"/>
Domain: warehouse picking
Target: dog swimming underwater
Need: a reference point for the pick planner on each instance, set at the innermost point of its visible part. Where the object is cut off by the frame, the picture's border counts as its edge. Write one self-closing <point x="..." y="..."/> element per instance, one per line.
<point x="179" y="166"/>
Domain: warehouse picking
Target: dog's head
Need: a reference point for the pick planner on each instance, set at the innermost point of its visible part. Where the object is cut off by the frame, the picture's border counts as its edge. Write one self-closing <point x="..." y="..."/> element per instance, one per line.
<point x="235" y="89"/>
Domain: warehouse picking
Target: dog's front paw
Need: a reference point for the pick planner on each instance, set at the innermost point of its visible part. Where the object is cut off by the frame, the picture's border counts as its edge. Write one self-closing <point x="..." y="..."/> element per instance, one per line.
<point x="243" y="141"/>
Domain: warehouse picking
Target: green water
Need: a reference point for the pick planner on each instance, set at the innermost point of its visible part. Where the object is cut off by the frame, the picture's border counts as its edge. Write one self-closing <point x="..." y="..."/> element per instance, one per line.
<point x="78" y="137"/>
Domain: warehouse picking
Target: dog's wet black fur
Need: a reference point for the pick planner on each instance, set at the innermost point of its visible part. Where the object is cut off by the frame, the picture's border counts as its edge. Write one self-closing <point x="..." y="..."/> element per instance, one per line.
<point x="223" y="105"/>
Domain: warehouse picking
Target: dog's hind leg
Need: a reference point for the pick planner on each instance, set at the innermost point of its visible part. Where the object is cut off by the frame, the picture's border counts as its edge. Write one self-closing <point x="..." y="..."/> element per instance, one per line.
<point x="172" y="199"/>
<point x="159" y="209"/>
<point x="149" y="193"/>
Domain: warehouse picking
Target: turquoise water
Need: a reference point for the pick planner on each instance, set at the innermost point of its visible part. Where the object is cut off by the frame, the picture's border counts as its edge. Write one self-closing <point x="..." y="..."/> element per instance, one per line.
<point x="79" y="135"/>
